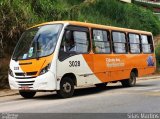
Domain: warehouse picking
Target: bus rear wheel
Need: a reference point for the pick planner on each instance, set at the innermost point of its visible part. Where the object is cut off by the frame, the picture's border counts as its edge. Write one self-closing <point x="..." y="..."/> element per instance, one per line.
<point x="129" y="82"/>
<point x="27" y="94"/>
<point x="66" y="88"/>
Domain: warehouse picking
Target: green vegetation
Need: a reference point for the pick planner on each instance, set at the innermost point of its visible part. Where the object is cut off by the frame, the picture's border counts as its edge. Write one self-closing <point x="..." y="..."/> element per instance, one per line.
<point x="17" y="15"/>
<point x="157" y="51"/>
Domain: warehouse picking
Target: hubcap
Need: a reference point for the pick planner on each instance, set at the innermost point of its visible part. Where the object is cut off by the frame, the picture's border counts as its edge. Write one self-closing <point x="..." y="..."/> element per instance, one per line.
<point x="67" y="87"/>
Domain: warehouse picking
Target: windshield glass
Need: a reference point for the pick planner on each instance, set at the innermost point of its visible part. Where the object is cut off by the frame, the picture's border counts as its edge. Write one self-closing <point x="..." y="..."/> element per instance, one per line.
<point x="37" y="42"/>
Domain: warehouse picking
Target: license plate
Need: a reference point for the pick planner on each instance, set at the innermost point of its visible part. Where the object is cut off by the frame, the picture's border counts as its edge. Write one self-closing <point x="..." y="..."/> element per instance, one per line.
<point x="25" y="88"/>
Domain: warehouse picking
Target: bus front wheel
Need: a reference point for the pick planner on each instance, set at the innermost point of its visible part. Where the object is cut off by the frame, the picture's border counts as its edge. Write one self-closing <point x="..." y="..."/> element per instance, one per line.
<point x="27" y="94"/>
<point x="66" y="88"/>
<point x="129" y="82"/>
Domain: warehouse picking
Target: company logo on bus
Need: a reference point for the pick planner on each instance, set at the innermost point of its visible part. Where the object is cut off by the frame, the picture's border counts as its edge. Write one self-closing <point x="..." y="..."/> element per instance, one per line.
<point x="114" y="62"/>
<point x="150" y="61"/>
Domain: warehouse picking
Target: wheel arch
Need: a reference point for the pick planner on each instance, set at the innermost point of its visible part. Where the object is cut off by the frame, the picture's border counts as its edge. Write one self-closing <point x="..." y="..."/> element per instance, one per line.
<point x="135" y="70"/>
<point x="72" y="76"/>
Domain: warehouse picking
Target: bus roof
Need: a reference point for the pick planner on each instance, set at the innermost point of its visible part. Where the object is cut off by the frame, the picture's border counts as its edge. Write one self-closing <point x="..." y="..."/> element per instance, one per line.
<point x="96" y="26"/>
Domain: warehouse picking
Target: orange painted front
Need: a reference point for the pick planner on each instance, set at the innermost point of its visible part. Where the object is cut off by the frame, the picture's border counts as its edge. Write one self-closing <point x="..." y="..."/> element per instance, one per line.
<point x="36" y="65"/>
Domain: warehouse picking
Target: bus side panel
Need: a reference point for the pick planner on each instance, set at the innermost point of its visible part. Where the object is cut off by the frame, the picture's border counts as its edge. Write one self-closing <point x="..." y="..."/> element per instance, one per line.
<point x="145" y="64"/>
<point x="100" y="67"/>
<point x="112" y="67"/>
<point x="146" y="71"/>
<point x="117" y="65"/>
<point x="82" y="70"/>
<point x="120" y="75"/>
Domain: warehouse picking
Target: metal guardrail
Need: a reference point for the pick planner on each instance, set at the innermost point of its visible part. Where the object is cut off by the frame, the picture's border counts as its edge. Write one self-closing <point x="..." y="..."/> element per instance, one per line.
<point x="149" y="1"/>
<point x="127" y="1"/>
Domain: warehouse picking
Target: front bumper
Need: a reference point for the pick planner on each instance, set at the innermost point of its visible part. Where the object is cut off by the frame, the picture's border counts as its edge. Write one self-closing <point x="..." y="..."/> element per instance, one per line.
<point x="43" y="82"/>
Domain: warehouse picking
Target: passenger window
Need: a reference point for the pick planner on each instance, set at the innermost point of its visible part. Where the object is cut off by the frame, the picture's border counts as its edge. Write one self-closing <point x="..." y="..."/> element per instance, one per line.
<point x="78" y="43"/>
<point x="134" y="43"/>
<point x="147" y="44"/>
<point x="119" y="42"/>
<point x="81" y="42"/>
<point x="101" y="42"/>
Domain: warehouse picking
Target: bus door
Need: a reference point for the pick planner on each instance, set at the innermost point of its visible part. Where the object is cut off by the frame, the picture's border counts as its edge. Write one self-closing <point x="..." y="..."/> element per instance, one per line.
<point x="74" y="55"/>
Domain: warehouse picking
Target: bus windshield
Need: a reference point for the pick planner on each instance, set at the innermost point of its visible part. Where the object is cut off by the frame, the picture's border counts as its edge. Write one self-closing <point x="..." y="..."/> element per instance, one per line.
<point x="37" y="42"/>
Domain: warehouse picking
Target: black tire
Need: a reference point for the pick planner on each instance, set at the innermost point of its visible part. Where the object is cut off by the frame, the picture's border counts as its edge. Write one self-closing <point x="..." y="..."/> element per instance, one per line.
<point x="101" y="85"/>
<point x="27" y="94"/>
<point x="66" y="88"/>
<point x="129" y="82"/>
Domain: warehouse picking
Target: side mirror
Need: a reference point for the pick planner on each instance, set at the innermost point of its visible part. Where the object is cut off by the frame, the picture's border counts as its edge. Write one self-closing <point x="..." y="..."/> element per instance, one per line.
<point x="68" y="35"/>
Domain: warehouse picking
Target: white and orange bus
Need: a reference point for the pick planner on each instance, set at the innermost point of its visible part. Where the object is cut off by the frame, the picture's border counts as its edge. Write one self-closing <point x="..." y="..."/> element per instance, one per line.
<point x="59" y="56"/>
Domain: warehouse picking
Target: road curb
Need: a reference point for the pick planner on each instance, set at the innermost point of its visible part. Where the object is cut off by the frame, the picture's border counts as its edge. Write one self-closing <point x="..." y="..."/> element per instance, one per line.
<point x="149" y="77"/>
<point x="7" y="92"/>
<point x="8" y="95"/>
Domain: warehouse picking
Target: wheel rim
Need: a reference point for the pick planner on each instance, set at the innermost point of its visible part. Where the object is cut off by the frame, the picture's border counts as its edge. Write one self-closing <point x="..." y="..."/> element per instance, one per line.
<point x="67" y="87"/>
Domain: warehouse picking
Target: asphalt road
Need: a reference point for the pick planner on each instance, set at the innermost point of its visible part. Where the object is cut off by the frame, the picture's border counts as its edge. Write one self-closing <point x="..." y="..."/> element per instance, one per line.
<point x="144" y="98"/>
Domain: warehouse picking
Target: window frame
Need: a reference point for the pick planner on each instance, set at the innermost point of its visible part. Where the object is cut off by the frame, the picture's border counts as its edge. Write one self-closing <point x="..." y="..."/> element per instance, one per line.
<point x="140" y="46"/>
<point x="126" y="43"/>
<point x="87" y="40"/>
<point x="147" y="44"/>
<point x="77" y="28"/>
<point x="108" y="37"/>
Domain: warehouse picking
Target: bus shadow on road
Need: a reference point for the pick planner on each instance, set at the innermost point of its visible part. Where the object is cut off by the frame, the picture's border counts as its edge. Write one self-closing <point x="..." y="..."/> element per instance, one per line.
<point x="94" y="90"/>
<point x="80" y="92"/>
<point x="88" y="91"/>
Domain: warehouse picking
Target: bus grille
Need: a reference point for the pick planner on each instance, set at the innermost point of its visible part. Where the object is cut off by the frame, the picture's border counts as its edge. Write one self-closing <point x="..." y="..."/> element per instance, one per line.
<point x="25" y="84"/>
<point x="26" y="74"/>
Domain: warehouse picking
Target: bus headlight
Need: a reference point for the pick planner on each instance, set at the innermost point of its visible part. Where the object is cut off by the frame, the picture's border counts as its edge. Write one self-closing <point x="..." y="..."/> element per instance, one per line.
<point x="10" y="72"/>
<point x="45" y="69"/>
